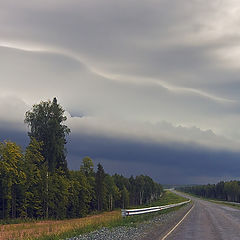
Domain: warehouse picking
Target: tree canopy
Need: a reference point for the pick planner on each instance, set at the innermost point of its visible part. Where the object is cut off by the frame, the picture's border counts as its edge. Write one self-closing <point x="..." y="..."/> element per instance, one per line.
<point x="46" y="123"/>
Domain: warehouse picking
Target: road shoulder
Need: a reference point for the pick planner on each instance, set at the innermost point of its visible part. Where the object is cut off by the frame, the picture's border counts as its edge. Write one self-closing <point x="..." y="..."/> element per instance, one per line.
<point x="160" y="228"/>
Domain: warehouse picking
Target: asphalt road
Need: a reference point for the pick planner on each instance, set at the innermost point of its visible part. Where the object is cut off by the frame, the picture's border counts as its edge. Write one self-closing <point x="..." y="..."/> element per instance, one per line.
<point x="208" y="221"/>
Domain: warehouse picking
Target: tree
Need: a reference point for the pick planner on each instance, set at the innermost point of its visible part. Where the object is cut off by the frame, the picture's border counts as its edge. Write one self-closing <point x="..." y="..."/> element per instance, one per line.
<point x="140" y="188"/>
<point x="87" y="169"/>
<point x="79" y="194"/>
<point x="58" y="195"/>
<point x="35" y="195"/>
<point x="220" y="191"/>
<point x="125" y="197"/>
<point x="46" y="125"/>
<point x="100" y="188"/>
<point x="11" y="176"/>
<point x="229" y="191"/>
<point x="113" y="193"/>
<point x="132" y="191"/>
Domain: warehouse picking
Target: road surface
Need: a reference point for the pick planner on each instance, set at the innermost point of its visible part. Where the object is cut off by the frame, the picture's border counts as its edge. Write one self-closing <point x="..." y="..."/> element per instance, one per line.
<point x="208" y="221"/>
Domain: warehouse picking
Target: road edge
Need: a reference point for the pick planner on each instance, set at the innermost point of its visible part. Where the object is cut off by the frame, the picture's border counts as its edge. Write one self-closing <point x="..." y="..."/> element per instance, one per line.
<point x="163" y="238"/>
<point x="159" y="229"/>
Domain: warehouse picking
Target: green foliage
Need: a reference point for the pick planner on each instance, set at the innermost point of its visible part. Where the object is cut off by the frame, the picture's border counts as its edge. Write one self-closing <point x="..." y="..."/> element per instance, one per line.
<point x="58" y="195"/>
<point x="35" y="187"/>
<point x="80" y="195"/>
<point x="87" y="170"/>
<point x="87" y="167"/>
<point x="12" y="177"/>
<point x="227" y="191"/>
<point x="100" y="188"/>
<point x="29" y="190"/>
<point x="125" y="197"/>
<point x="113" y="193"/>
<point x="168" y="198"/>
<point x="46" y="125"/>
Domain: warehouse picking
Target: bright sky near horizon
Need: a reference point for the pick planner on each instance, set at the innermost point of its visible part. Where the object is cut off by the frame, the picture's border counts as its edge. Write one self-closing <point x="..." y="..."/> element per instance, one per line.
<point x="148" y="86"/>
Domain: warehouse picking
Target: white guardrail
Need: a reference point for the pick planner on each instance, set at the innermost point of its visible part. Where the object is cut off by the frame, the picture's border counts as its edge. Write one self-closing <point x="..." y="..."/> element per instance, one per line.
<point x="130" y="212"/>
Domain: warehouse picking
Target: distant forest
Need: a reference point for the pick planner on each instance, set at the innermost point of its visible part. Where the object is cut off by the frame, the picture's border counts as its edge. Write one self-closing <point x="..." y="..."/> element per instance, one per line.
<point x="226" y="191"/>
<point x="36" y="183"/>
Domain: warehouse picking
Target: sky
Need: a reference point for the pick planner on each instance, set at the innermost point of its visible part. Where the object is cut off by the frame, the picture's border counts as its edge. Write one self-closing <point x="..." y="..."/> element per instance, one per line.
<point x="149" y="87"/>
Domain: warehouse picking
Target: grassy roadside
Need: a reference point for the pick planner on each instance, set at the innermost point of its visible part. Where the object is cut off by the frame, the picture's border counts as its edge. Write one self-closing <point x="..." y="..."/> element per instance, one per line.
<point x="38" y="229"/>
<point x="53" y="230"/>
<point x="229" y="204"/>
<point x="18" y="221"/>
<point x="169" y="198"/>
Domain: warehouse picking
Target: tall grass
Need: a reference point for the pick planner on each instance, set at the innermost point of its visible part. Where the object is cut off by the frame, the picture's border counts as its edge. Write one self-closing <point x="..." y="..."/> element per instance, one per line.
<point x="50" y="227"/>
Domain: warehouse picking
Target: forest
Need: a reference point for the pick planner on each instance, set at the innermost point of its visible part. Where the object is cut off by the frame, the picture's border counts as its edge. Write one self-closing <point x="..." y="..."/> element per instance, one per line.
<point x="36" y="182"/>
<point x="226" y="191"/>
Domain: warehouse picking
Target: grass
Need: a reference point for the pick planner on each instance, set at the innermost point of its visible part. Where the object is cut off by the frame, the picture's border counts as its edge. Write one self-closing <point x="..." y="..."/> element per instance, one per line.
<point x="17" y="221"/>
<point x="62" y="229"/>
<point x="51" y="227"/>
<point x="169" y="198"/>
<point x="231" y="204"/>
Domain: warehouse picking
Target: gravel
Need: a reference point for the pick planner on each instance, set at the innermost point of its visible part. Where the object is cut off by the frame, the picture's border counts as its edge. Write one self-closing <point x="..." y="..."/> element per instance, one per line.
<point x="131" y="232"/>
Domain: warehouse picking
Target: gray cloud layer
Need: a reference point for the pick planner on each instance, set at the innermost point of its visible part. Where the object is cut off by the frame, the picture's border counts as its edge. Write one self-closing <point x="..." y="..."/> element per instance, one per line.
<point x="163" y="71"/>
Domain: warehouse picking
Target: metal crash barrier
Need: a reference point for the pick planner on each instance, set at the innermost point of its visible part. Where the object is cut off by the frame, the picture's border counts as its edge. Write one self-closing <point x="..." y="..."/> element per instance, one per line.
<point x="130" y="212"/>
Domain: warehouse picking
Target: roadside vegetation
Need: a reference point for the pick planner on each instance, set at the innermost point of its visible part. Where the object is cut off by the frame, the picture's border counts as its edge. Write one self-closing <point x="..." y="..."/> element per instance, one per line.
<point x="61" y="229"/>
<point x="230" y="204"/>
<point x="37" y="188"/>
<point x="169" y="198"/>
<point x="224" y="191"/>
<point x="56" y="229"/>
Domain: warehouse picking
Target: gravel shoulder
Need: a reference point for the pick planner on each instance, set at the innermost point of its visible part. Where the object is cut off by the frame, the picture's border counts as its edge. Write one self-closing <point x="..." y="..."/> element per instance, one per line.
<point x="151" y="229"/>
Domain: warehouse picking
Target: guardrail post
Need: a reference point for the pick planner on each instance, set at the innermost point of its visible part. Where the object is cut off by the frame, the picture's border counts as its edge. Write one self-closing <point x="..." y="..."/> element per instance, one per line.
<point x="124" y="213"/>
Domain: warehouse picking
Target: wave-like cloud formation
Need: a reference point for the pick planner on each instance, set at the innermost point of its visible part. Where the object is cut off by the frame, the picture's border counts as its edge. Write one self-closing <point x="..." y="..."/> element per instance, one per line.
<point x="110" y="76"/>
<point x="169" y="87"/>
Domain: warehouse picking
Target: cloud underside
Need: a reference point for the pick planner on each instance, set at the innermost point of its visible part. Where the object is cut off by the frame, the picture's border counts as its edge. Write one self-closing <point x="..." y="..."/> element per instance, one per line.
<point x="172" y="162"/>
<point x="167" y="163"/>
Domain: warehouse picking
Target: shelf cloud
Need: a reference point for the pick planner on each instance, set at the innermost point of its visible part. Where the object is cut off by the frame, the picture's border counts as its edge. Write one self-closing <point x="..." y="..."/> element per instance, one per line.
<point x="137" y="79"/>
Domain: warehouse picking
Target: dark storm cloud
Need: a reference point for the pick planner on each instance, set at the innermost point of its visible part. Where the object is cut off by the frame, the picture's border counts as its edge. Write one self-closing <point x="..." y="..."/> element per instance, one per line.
<point x="166" y="163"/>
<point x="174" y="162"/>
<point x="20" y="137"/>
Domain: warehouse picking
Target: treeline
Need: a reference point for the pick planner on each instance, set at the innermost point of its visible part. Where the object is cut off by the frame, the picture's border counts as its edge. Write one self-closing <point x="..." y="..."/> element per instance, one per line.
<point x="29" y="190"/>
<point x="226" y="191"/>
<point x="37" y="183"/>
